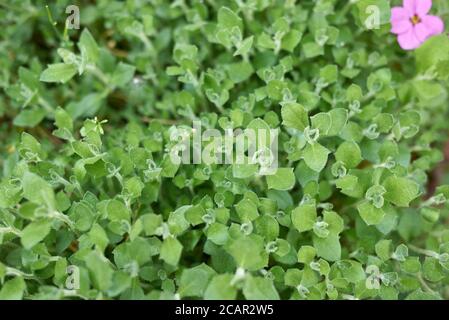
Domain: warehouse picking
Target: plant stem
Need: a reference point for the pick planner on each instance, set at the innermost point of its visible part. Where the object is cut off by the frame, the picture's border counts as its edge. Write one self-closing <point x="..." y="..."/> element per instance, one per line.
<point x="98" y="73"/>
<point x="425" y="252"/>
<point x="424" y="284"/>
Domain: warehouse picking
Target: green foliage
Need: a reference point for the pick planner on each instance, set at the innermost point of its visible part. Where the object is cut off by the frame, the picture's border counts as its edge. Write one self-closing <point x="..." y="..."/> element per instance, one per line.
<point x="90" y="197"/>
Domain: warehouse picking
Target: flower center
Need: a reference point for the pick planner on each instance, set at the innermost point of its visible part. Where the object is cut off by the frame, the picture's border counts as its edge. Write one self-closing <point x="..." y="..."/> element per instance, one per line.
<point x="415" y="19"/>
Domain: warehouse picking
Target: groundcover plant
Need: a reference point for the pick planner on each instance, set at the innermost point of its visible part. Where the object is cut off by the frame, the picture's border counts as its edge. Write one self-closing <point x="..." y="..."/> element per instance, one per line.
<point x="99" y="99"/>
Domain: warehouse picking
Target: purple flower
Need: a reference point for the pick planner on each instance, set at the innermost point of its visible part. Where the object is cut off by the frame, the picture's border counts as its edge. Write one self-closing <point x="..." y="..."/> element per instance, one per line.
<point x="413" y="24"/>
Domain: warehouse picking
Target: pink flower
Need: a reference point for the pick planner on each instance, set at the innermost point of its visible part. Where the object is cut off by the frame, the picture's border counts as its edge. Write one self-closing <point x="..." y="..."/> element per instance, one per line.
<point x="413" y="24"/>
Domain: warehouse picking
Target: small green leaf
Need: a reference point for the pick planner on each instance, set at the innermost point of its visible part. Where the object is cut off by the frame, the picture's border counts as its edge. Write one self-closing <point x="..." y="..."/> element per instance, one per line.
<point x="329" y="74"/>
<point x="29" y="117"/>
<point x="13" y="289"/>
<point x="328" y="248"/>
<point x="370" y="214"/>
<point x="339" y="118"/>
<point x="257" y="288"/>
<point x="400" y="191"/>
<point x="306" y="254"/>
<point x="59" y="72"/>
<point x="194" y="281"/>
<point x="349" y="185"/>
<point x="334" y="222"/>
<point x="117" y="210"/>
<point x="246" y="210"/>
<point x="349" y="153"/>
<point x="411" y="265"/>
<point x="401" y="253"/>
<point x="240" y="71"/>
<point x="171" y="250"/>
<point x="304" y="217"/>
<point x="100" y="269"/>
<point x="434" y="52"/>
<point x="221" y="288"/>
<point x="151" y="222"/>
<point x="294" y="116"/>
<point x="315" y="156"/>
<point x="248" y="252"/>
<point x="321" y="121"/>
<point x="123" y="74"/>
<point x="228" y="19"/>
<point x="63" y="119"/>
<point x="38" y="190"/>
<point x="353" y="272"/>
<point x="282" y="179"/>
<point x="291" y="40"/>
<point x="99" y="237"/>
<point x="35" y="232"/>
<point x="88" y="46"/>
<point x="133" y="187"/>
<point x="244" y="47"/>
<point x="217" y="233"/>
<point x="383" y="249"/>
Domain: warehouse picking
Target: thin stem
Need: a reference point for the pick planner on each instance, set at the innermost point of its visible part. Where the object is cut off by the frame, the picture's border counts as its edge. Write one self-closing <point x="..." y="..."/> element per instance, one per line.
<point x="52" y="22"/>
<point x="98" y="73"/>
<point x="17" y="273"/>
<point x="45" y="104"/>
<point x="10" y="230"/>
<point x="147" y="42"/>
<point x="62" y="217"/>
<point x="425" y="252"/>
<point x="424" y="284"/>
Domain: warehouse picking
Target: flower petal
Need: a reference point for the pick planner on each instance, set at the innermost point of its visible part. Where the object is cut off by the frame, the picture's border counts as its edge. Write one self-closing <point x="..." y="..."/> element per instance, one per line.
<point x="422" y="7"/>
<point x="410" y="6"/>
<point x="434" y="24"/>
<point x="398" y="14"/>
<point x="401" y="26"/>
<point x="408" y="40"/>
<point x="422" y="32"/>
